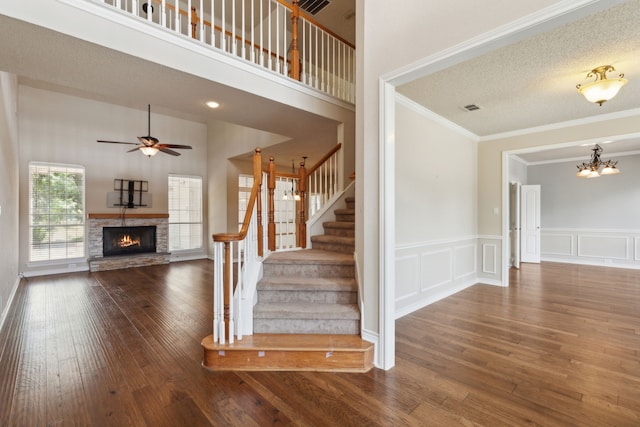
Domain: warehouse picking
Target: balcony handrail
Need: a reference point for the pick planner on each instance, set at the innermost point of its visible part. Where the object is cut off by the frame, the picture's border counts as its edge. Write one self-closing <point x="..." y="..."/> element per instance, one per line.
<point x="307" y="51"/>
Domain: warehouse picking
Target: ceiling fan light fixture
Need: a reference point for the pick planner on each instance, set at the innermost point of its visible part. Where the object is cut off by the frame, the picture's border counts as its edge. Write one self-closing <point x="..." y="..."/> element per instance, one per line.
<point x="149" y="151"/>
<point x="601" y="89"/>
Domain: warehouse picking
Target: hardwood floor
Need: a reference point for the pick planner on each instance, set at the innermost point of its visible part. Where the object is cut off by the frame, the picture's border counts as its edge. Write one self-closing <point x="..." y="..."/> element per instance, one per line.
<point x="560" y="347"/>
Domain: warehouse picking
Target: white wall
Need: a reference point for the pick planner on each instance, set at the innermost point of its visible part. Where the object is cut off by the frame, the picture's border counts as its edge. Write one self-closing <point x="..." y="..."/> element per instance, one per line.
<point x="63" y="129"/>
<point x="590" y="221"/>
<point x="9" y="218"/>
<point x="435" y="200"/>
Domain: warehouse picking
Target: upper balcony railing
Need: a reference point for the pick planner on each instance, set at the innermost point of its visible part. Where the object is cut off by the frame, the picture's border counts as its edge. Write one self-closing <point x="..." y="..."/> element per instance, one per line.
<point x="270" y="33"/>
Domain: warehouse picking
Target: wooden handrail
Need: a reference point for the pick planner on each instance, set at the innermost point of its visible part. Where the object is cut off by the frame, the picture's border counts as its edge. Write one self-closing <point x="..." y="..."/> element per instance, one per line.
<point x="309" y="18"/>
<point x="324" y="158"/>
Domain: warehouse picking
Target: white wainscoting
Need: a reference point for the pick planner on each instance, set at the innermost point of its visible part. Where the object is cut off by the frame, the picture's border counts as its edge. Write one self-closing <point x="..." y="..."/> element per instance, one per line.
<point x="490" y="259"/>
<point x="429" y="271"/>
<point x="615" y="248"/>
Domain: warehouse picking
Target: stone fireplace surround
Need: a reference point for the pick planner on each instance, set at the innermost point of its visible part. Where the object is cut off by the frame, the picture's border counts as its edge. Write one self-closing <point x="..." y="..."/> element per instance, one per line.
<point x="97" y="262"/>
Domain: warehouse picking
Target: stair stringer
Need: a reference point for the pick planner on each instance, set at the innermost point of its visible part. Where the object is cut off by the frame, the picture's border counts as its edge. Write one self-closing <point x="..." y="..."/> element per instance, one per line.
<point x="314" y="224"/>
<point x="245" y="297"/>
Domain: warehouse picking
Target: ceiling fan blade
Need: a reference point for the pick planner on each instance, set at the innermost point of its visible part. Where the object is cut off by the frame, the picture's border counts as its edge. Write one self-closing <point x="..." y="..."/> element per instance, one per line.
<point x="135" y="149"/>
<point x="187" y="147"/>
<point x="166" y="150"/>
<point x="149" y="141"/>
<point x="119" y="142"/>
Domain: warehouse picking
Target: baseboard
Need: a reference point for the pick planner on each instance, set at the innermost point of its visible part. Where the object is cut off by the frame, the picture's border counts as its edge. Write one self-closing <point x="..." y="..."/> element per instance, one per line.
<point x="491" y="282"/>
<point x="58" y="270"/>
<point x="5" y="310"/>
<point x="188" y="256"/>
<point x="372" y="337"/>
<point x="591" y="263"/>
<point x="434" y="298"/>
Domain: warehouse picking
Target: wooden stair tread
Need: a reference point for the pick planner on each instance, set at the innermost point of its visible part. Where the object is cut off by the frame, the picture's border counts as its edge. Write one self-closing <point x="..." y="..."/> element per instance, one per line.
<point x="290" y="352"/>
<point x="293" y="342"/>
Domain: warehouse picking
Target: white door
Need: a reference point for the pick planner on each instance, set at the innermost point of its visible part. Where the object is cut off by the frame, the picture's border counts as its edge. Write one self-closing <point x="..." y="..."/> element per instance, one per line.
<point x="514" y="223"/>
<point x="530" y="223"/>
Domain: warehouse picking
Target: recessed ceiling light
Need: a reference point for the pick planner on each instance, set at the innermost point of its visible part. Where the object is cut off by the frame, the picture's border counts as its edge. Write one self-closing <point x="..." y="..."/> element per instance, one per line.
<point x="212" y="104"/>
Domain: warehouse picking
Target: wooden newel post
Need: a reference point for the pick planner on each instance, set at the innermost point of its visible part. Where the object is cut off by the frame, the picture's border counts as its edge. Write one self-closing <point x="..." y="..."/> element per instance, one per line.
<point x="302" y="204"/>
<point x="271" y="186"/>
<point x="226" y="281"/>
<point x="295" y="53"/>
<point x="257" y="177"/>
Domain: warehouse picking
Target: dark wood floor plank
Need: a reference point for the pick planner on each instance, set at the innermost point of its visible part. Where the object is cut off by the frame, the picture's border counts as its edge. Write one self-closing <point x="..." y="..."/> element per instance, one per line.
<point x="559" y="347"/>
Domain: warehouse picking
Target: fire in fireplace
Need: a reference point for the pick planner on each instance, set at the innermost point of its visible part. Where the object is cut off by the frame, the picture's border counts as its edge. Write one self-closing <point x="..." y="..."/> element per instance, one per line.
<point x="128" y="240"/>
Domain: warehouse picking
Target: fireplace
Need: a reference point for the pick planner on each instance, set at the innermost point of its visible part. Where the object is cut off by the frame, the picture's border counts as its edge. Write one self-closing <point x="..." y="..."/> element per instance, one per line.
<point x="128" y="240"/>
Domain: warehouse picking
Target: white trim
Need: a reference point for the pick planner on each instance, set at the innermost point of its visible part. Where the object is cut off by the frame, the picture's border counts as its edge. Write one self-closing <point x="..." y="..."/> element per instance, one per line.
<point x="35" y="273"/>
<point x="386" y="176"/>
<point x="562" y="125"/>
<point x="490" y="237"/>
<point x="178" y="256"/>
<point x="571" y="243"/>
<point x="437" y="297"/>
<point x="590" y="262"/>
<point x="494" y="269"/>
<point x="490" y="282"/>
<point x="474" y="247"/>
<point x="415" y="245"/>
<point x="12" y="294"/>
<point x="506" y="245"/>
<point x="425" y="112"/>
<point x="449" y="279"/>
<point x="374" y="338"/>
<point x="595" y="230"/>
<point x="594" y="236"/>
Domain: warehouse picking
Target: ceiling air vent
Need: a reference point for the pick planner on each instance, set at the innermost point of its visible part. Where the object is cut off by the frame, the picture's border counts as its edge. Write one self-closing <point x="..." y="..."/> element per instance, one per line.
<point x="471" y="107"/>
<point x="313" y="6"/>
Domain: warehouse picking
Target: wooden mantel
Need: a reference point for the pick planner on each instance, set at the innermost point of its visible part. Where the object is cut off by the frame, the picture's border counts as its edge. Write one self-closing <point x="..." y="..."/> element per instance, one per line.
<point x="128" y="215"/>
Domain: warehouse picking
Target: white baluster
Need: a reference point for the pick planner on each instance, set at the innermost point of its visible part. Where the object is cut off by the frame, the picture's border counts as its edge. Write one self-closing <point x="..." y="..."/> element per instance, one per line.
<point x="231" y="297"/>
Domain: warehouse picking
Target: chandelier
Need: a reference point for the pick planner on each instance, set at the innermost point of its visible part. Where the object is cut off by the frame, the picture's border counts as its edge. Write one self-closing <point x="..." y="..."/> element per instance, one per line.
<point x="592" y="169"/>
<point x="293" y="195"/>
<point x="601" y="89"/>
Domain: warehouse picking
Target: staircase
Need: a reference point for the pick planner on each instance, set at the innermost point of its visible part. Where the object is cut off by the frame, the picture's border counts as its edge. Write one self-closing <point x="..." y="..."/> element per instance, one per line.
<point x="312" y="291"/>
<point x="307" y="316"/>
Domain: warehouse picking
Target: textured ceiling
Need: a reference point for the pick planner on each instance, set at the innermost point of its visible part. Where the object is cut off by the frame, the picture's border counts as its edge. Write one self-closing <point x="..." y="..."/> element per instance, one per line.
<point x="533" y="82"/>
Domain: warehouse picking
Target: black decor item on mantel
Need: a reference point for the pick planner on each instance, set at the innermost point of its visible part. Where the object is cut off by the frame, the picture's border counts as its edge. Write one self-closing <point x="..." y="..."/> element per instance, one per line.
<point x="150" y="145"/>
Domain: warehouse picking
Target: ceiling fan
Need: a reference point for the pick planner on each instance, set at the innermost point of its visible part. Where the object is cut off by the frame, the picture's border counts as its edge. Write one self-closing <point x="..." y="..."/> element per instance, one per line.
<point x="150" y="145"/>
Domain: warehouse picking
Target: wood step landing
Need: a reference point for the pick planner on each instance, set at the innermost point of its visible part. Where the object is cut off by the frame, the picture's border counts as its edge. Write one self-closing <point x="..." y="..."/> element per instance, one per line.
<point x="290" y="352"/>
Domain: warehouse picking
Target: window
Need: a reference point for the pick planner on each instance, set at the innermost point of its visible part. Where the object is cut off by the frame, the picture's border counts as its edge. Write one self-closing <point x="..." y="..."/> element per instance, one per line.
<point x="245" y="184"/>
<point x="185" y="212"/>
<point x="56" y="212"/>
